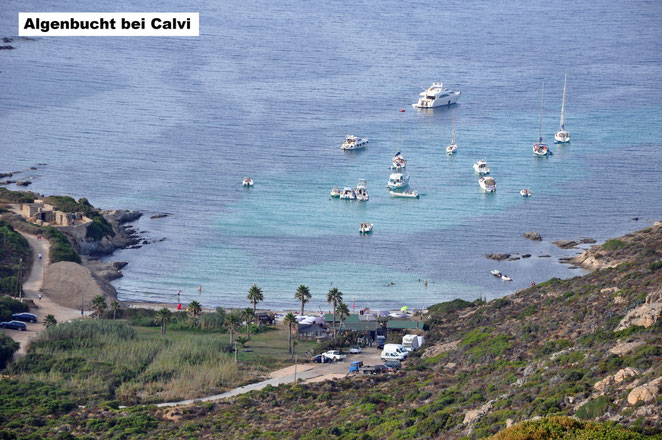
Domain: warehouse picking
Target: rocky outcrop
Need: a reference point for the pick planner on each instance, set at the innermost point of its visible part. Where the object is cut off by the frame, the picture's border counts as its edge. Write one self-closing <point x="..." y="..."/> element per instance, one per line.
<point x="124" y="236"/>
<point x="532" y="235"/>
<point x="645" y="393"/>
<point x="475" y="414"/>
<point x="566" y="244"/>
<point x="624" y="347"/>
<point x="160" y="215"/>
<point x="498" y="257"/>
<point x="104" y="270"/>
<point x="617" y="378"/>
<point x="23" y="183"/>
<point x="645" y="315"/>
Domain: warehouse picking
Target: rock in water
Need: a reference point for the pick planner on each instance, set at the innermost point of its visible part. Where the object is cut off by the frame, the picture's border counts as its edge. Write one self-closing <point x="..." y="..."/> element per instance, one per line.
<point x="160" y="215"/>
<point x="498" y="257"/>
<point x="532" y="235"/>
<point x="566" y="244"/>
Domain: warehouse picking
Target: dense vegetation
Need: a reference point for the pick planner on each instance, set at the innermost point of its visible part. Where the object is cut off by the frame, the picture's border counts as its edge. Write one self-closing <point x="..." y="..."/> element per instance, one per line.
<point x="8" y="306"/>
<point x="9" y="196"/>
<point x="61" y="249"/>
<point x="13" y="248"/>
<point x="536" y="353"/>
<point x="7" y="349"/>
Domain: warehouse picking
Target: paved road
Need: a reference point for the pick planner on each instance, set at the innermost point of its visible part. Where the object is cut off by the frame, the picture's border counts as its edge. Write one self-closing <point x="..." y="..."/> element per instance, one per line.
<point x="305" y="372"/>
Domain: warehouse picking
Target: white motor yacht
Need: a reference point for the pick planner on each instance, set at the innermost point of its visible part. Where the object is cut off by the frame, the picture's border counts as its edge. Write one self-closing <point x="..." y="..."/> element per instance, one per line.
<point x="480" y="167"/>
<point x="405" y="194"/>
<point x="398" y="161"/>
<point x="496" y="273"/>
<point x="361" y="191"/>
<point x="347" y="194"/>
<point x="562" y="136"/>
<point x="353" y="143"/>
<point x="487" y="183"/>
<point x="540" y="149"/>
<point x="525" y="192"/>
<point x="335" y="192"/>
<point x="506" y="278"/>
<point x="366" y="228"/>
<point x="247" y="182"/>
<point x="437" y="95"/>
<point x="398" y="181"/>
<point x="452" y="148"/>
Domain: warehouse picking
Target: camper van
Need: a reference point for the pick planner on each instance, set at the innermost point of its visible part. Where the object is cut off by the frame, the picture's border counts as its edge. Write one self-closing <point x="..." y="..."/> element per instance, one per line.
<point x="410" y="342"/>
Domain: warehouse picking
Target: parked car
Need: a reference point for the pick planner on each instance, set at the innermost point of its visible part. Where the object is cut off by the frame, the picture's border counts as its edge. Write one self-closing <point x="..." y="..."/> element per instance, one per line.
<point x="25" y="317"/>
<point x="334" y="355"/>
<point x="16" y="325"/>
<point x="393" y="364"/>
<point x="380" y="369"/>
<point x="321" y="359"/>
<point x="355" y="349"/>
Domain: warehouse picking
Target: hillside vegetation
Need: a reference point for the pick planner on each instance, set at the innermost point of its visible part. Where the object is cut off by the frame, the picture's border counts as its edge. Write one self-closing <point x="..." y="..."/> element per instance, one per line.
<point x="588" y="347"/>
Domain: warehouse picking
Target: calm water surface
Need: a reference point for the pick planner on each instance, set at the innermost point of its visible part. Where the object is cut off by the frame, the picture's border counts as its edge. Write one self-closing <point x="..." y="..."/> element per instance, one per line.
<point x="271" y="88"/>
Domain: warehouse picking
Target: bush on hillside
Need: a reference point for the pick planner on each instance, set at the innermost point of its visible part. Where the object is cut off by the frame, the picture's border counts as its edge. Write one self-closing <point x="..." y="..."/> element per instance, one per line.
<point x="61" y="249"/>
<point x="7" y="349"/>
<point x="16" y="196"/>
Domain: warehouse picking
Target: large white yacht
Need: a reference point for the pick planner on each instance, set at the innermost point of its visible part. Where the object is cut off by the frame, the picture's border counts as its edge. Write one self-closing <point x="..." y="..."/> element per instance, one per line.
<point x="347" y="194"/>
<point x="397" y="181"/>
<point x="437" y="95"/>
<point x="353" y="143"/>
<point x="487" y="184"/>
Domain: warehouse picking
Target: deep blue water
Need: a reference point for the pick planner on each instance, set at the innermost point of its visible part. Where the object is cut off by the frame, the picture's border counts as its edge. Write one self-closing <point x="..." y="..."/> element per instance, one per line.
<point x="270" y="89"/>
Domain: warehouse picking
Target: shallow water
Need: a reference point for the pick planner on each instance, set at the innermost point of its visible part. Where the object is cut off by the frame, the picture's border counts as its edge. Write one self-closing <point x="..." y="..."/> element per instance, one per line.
<point x="270" y="90"/>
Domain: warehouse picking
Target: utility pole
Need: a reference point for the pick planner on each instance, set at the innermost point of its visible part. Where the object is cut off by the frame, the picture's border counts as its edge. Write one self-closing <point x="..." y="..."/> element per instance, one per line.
<point x="295" y="368"/>
<point x="81" y="303"/>
<point x="235" y="351"/>
<point x="19" y="284"/>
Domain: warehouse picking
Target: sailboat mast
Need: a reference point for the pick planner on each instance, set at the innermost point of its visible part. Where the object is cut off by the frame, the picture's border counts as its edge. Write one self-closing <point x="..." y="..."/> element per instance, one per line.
<point x="453" y="119"/>
<point x="542" y="105"/>
<point x="563" y="102"/>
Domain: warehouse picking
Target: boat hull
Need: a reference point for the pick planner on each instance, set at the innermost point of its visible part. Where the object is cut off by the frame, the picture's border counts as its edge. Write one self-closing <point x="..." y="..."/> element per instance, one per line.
<point x="562" y="137"/>
<point x="439" y="102"/>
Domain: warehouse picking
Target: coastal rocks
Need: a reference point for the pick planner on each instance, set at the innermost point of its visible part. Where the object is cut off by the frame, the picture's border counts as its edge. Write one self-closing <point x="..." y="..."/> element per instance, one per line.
<point x="6" y="175"/>
<point x="160" y="215"/>
<point x="105" y="271"/>
<point x="7" y="182"/>
<point x="645" y="393"/>
<point x="526" y="256"/>
<point x="532" y="235"/>
<point x="6" y="40"/>
<point x="617" y="378"/>
<point x="497" y="257"/>
<point x="475" y="414"/>
<point x="566" y="244"/>
<point x="514" y="258"/>
<point x="7" y="47"/>
<point x="585" y="240"/>
<point x="23" y="183"/>
<point x="645" y="315"/>
<point x="121" y="216"/>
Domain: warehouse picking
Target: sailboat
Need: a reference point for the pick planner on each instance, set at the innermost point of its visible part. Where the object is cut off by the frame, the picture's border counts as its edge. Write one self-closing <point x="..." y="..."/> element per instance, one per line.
<point x="540" y="149"/>
<point x="562" y="136"/>
<point x="452" y="148"/>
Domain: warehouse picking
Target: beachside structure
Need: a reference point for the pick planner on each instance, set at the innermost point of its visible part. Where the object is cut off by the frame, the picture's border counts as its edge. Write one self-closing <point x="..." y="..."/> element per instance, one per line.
<point x="42" y="213"/>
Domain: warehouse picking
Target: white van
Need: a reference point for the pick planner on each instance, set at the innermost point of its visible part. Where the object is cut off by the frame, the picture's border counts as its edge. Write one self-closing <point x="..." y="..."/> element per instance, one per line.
<point x="397" y="348"/>
<point x="390" y="354"/>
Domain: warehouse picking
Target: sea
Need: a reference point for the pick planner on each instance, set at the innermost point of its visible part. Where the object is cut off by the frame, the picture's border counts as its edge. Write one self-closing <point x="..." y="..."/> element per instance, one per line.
<point x="270" y="89"/>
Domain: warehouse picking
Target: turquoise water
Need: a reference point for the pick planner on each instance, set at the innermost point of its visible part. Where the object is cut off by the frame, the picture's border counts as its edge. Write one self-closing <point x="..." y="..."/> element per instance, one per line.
<point x="270" y="90"/>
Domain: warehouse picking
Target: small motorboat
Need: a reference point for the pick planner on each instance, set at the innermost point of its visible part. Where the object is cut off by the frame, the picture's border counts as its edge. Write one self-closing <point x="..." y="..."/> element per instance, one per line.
<point x="525" y="192"/>
<point x="347" y="194"/>
<point x="353" y="143"/>
<point x="361" y="191"/>
<point x="480" y="167"/>
<point x="506" y="278"/>
<point x="397" y="181"/>
<point x="247" y="182"/>
<point x="405" y="194"/>
<point x="496" y="273"/>
<point x="399" y="162"/>
<point x="487" y="184"/>
<point x="335" y="192"/>
<point x="365" y="228"/>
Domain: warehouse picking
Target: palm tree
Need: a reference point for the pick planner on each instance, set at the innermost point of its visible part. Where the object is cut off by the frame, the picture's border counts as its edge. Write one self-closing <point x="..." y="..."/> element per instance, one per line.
<point x="99" y="305"/>
<point x="50" y="321"/>
<point x="194" y="309"/>
<point x="290" y="321"/>
<point x="255" y="296"/>
<point x="248" y="315"/>
<point x="114" y="306"/>
<point x="162" y="317"/>
<point x="334" y="297"/>
<point x="303" y="295"/>
<point x="232" y="322"/>
<point x="343" y="313"/>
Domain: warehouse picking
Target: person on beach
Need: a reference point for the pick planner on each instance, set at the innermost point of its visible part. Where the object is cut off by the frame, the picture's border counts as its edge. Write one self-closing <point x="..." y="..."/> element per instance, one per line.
<point x="199" y="289"/>
<point x="40" y="297"/>
<point x="40" y="257"/>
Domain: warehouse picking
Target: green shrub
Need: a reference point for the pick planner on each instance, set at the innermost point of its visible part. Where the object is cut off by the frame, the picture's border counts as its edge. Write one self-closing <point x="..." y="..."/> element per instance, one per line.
<point x="594" y="408"/>
<point x="7" y="349"/>
<point x="614" y="245"/>
<point x="16" y="196"/>
<point x="99" y="228"/>
<point x="61" y="249"/>
<point x="449" y="307"/>
<point x="655" y="266"/>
